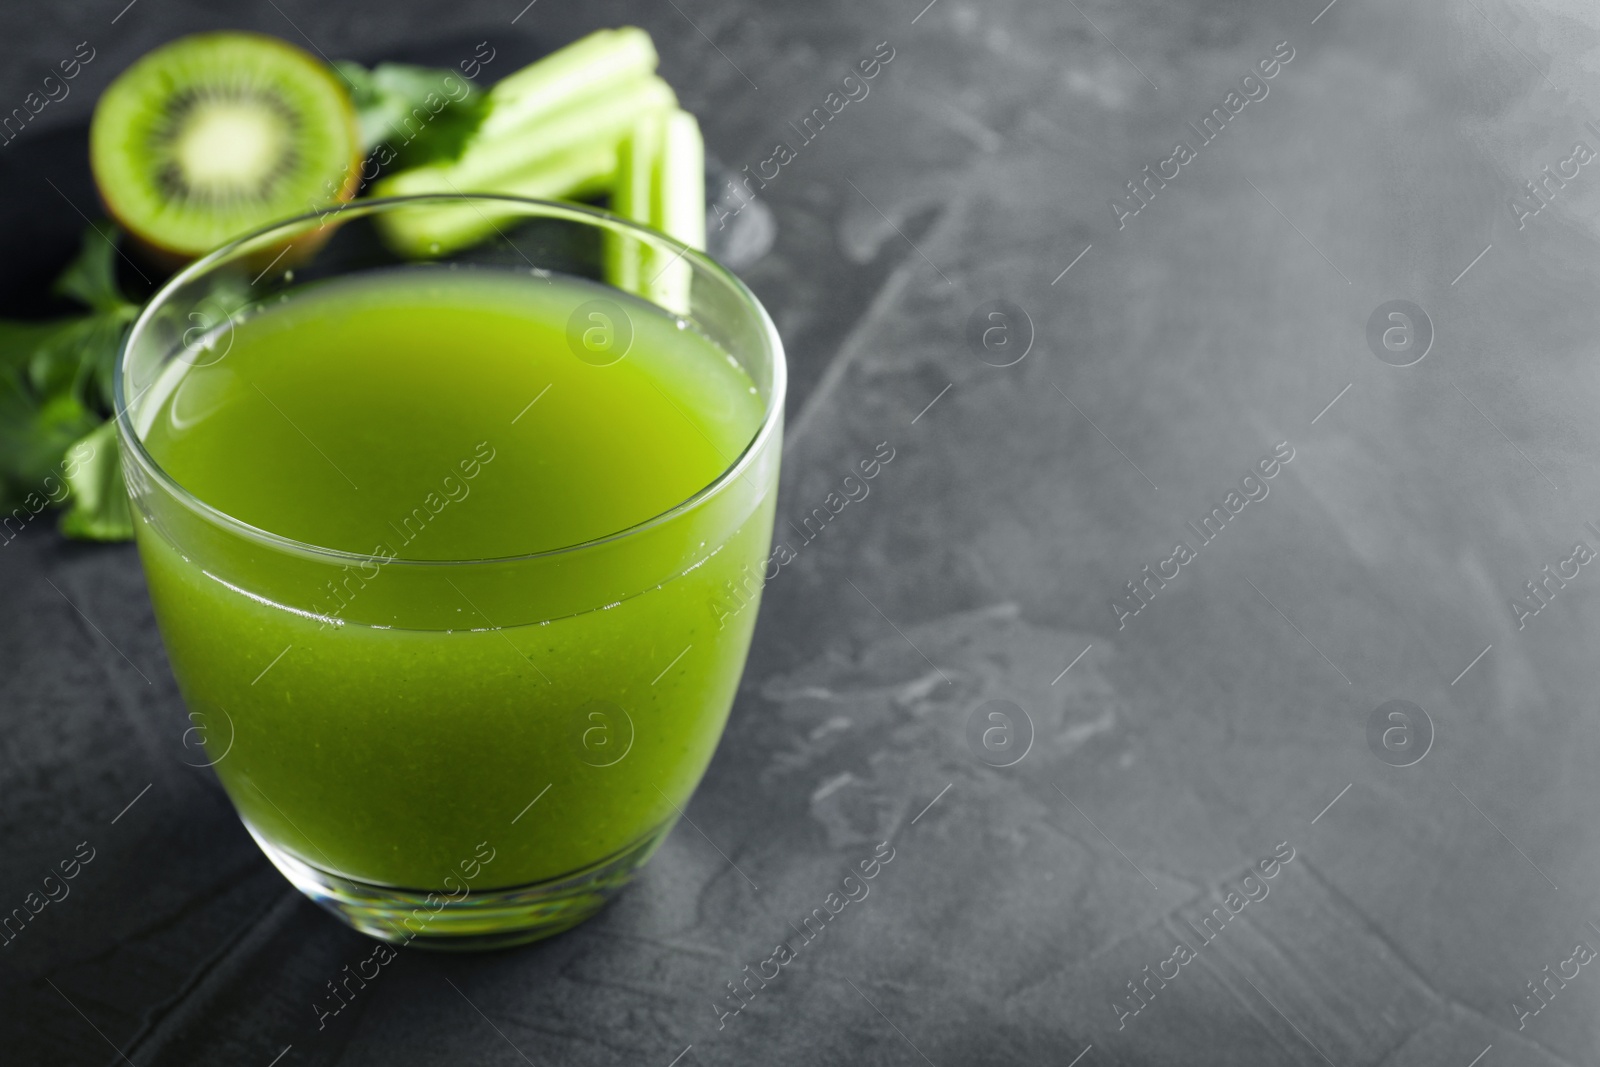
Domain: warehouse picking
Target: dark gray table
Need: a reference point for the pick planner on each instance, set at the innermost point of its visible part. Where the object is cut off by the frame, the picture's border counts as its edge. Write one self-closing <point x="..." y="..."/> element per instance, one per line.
<point x="1172" y="750"/>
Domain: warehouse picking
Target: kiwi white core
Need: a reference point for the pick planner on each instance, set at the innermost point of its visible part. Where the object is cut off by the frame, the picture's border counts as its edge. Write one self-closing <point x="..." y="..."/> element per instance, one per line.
<point x="230" y="147"/>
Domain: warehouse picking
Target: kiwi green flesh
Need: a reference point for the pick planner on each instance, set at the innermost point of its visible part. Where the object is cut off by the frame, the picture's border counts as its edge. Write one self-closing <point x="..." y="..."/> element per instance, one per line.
<point x="217" y="134"/>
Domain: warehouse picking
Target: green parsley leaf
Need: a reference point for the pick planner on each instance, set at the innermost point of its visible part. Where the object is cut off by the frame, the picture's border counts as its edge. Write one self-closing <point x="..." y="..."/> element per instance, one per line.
<point x="421" y="114"/>
<point x="55" y="390"/>
<point x="99" y="509"/>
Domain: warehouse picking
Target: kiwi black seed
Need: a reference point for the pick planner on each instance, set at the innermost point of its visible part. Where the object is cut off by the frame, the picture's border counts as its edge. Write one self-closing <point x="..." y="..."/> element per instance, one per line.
<point x="217" y="134"/>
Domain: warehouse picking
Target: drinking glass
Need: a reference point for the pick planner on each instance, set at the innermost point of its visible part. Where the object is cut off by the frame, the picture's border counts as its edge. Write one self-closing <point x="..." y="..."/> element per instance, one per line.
<point x="470" y="752"/>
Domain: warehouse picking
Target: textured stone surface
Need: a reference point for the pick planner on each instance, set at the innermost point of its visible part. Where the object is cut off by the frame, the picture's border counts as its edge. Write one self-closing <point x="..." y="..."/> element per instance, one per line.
<point x="1221" y="721"/>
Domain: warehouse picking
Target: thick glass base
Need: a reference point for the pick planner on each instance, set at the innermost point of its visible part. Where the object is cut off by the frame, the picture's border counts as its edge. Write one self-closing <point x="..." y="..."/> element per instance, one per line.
<point x="483" y="919"/>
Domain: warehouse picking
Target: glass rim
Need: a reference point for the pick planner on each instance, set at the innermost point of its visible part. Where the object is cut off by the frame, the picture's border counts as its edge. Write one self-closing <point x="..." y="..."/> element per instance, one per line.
<point x="572" y="212"/>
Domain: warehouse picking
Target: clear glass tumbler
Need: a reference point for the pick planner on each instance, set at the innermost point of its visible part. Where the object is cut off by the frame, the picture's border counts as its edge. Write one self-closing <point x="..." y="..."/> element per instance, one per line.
<point x="455" y="753"/>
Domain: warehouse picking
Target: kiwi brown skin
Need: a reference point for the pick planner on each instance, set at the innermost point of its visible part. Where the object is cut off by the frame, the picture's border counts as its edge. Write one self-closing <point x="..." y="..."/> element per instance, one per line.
<point x="302" y="247"/>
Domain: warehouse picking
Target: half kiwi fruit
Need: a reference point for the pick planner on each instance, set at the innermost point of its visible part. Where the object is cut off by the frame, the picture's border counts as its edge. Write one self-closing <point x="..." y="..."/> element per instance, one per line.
<point x="217" y="134"/>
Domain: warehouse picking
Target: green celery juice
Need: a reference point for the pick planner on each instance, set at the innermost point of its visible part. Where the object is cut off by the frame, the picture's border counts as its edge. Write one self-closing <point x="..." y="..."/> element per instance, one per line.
<point x="381" y="716"/>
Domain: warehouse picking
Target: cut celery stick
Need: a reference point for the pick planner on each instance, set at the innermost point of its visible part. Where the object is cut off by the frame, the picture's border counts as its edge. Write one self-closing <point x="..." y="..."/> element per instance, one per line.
<point x="422" y="232"/>
<point x="679" y="210"/>
<point x="575" y="150"/>
<point x="582" y="69"/>
<point x="681" y="196"/>
<point x="606" y="117"/>
<point x="632" y="197"/>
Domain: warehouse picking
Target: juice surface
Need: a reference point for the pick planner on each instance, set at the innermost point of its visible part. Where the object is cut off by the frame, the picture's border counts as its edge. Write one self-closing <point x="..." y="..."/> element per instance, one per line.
<point x="329" y="421"/>
<point x="428" y="415"/>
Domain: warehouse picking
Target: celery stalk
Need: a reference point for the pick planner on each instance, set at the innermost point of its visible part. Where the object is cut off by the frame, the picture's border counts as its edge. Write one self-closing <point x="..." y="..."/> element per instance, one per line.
<point x="436" y="230"/>
<point x="486" y="165"/>
<point x="678" y="209"/>
<point x="633" y="197"/>
<point x="681" y="195"/>
<point x="589" y="117"/>
<point x="584" y="68"/>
